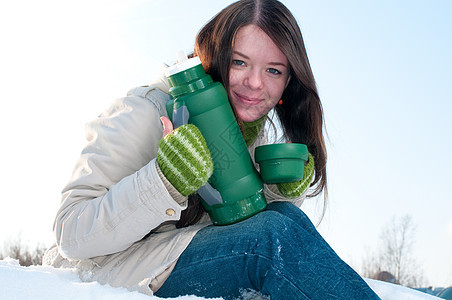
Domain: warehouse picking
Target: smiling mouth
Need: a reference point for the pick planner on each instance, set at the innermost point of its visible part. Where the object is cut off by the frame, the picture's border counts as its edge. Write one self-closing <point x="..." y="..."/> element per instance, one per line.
<point x="246" y="100"/>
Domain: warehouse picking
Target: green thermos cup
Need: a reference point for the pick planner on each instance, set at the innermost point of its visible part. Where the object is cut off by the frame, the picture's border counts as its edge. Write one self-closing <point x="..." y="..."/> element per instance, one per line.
<point x="234" y="191"/>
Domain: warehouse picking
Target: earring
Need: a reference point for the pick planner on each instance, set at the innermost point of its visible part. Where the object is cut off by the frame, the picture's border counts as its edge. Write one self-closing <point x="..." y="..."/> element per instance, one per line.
<point x="280" y="102"/>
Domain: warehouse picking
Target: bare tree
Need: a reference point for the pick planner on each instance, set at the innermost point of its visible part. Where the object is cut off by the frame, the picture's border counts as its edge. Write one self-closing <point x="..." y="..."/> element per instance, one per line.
<point x="371" y="264"/>
<point x="395" y="254"/>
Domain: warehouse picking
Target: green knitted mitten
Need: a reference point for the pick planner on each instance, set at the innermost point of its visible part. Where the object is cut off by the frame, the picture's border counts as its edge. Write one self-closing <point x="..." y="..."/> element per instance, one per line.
<point x="184" y="159"/>
<point x="297" y="188"/>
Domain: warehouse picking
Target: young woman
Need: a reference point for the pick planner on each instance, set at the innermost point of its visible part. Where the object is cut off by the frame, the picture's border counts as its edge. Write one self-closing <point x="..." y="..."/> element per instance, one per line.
<point x="127" y="220"/>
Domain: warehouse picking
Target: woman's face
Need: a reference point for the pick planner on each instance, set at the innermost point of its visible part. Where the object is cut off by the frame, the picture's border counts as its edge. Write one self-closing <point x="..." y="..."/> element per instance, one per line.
<point x="259" y="73"/>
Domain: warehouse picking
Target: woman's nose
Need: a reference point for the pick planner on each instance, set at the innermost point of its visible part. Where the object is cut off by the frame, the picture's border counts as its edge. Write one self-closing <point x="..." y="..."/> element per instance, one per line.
<point x="254" y="80"/>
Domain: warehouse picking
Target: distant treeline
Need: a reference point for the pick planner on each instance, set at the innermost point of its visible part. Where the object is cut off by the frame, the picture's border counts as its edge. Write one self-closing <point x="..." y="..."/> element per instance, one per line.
<point x="27" y="256"/>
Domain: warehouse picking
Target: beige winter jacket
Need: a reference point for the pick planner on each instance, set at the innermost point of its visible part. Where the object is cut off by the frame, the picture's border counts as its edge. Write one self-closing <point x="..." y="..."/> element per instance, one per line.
<point x="117" y="195"/>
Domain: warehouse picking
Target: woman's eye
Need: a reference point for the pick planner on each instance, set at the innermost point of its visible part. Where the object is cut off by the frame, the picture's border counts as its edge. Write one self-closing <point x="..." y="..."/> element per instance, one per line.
<point x="238" y="62"/>
<point x="274" y="71"/>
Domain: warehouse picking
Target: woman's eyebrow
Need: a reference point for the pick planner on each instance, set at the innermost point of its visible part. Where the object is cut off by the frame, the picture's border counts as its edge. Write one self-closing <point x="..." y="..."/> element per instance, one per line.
<point x="241" y="54"/>
<point x="270" y="63"/>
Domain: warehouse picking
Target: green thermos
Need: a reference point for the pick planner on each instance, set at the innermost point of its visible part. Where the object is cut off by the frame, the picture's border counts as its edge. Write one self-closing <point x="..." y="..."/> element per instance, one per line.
<point x="234" y="191"/>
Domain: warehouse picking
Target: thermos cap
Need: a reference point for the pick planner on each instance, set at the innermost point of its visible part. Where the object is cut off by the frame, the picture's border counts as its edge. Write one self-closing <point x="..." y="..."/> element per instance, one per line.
<point x="281" y="162"/>
<point x="281" y="151"/>
<point x="183" y="64"/>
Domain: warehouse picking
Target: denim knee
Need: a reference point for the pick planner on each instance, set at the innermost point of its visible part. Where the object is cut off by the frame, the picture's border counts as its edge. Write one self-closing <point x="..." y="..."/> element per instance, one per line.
<point x="268" y="259"/>
<point x="271" y="230"/>
<point x="289" y="210"/>
<point x="297" y="215"/>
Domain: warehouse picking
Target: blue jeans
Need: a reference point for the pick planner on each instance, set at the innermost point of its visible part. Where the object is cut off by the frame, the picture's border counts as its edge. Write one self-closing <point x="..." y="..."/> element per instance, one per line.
<point x="278" y="253"/>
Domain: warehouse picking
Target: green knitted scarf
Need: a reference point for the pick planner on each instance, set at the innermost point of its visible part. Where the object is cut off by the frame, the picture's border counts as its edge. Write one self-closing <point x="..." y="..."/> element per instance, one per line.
<point x="252" y="129"/>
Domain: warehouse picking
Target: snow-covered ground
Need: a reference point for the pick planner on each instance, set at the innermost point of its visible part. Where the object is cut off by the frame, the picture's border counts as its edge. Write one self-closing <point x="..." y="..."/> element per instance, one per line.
<point x="38" y="282"/>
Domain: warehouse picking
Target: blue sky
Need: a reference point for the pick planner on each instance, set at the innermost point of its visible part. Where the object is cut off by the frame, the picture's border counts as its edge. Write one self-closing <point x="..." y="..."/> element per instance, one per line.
<point x="383" y="70"/>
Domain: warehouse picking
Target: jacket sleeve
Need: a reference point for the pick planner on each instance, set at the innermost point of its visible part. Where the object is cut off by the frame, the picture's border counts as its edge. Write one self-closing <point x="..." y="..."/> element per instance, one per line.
<point x="115" y="195"/>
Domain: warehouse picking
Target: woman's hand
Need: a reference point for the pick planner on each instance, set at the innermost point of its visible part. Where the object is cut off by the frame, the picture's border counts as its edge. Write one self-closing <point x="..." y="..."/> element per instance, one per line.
<point x="184" y="157"/>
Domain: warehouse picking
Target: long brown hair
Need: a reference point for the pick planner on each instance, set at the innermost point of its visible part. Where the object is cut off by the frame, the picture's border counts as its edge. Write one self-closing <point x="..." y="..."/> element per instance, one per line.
<point x="301" y="114"/>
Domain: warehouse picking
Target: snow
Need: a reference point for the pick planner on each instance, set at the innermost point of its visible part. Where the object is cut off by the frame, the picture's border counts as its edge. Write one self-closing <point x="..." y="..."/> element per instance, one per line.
<point x="390" y="291"/>
<point x="43" y="282"/>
